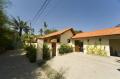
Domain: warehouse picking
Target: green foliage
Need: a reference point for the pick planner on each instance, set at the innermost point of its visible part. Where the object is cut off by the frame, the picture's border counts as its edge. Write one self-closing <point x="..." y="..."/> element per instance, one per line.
<point x="6" y="38"/>
<point x="96" y="51"/>
<point x="41" y="31"/>
<point x="3" y="17"/>
<point x="48" y="31"/>
<point x="31" y="53"/>
<point x="46" y="52"/>
<point x="45" y="30"/>
<point x="19" y="25"/>
<point x="78" y="31"/>
<point x="6" y="34"/>
<point x="65" y="49"/>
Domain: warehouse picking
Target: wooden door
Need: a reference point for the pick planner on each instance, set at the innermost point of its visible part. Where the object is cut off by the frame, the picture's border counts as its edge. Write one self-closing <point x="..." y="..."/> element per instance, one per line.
<point x="53" y="49"/>
<point x="78" y="46"/>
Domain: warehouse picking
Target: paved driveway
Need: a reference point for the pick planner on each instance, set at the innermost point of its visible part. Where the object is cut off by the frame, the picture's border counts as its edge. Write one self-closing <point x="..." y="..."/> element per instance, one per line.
<point x="80" y="66"/>
<point x="14" y="65"/>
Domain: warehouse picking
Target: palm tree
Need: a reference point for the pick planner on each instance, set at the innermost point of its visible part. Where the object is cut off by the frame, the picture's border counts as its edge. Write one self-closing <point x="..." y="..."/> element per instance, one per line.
<point x="27" y="29"/>
<point x="41" y="31"/>
<point x="45" y="27"/>
<point x="19" y="25"/>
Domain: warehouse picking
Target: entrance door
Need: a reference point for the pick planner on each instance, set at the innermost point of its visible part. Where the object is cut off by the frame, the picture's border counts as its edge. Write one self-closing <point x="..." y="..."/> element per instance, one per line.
<point x="78" y="46"/>
<point x="53" y="49"/>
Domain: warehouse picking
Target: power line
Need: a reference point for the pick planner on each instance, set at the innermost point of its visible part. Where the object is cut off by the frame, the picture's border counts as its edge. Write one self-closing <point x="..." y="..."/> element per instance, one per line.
<point x="41" y="8"/>
<point x="51" y="8"/>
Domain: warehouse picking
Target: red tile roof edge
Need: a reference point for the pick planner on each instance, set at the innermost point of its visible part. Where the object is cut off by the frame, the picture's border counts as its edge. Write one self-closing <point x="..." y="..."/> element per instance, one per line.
<point x="104" y="32"/>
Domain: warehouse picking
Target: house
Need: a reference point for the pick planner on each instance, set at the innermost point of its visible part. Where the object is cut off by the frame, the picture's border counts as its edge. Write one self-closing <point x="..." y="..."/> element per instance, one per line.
<point x="106" y="40"/>
<point x="54" y="40"/>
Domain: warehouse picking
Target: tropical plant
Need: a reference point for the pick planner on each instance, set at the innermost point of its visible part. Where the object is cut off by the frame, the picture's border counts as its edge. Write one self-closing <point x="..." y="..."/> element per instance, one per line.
<point x="48" y="31"/>
<point x="31" y="53"/>
<point x="27" y="29"/>
<point x="65" y="49"/>
<point x="46" y="52"/>
<point x="45" y="27"/>
<point x="19" y="25"/>
<point x="41" y="31"/>
<point x="3" y="17"/>
<point x="6" y="34"/>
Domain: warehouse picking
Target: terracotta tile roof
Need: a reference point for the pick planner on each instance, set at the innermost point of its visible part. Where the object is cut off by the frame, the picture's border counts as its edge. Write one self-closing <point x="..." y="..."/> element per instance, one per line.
<point x="56" y="33"/>
<point x="104" y="32"/>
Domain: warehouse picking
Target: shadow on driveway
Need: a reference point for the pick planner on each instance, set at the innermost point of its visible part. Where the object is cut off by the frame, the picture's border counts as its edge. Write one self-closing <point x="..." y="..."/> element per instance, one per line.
<point x="14" y="65"/>
<point x="118" y="61"/>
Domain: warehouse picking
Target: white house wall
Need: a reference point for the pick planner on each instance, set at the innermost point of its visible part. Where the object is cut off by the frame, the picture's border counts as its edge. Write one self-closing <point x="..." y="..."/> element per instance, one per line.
<point x="65" y="36"/>
<point x="50" y="47"/>
<point x="57" y="49"/>
<point x="104" y="44"/>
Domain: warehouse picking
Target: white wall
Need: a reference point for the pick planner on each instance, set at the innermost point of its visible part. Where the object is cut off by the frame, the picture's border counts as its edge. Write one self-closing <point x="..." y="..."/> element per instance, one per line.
<point x="57" y="49"/>
<point x="65" y="36"/>
<point x="72" y="43"/>
<point x="39" y="49"/>
<point x="50" y="47"/>
<point x="34" y="44"/>
<point x="104" y="44"/>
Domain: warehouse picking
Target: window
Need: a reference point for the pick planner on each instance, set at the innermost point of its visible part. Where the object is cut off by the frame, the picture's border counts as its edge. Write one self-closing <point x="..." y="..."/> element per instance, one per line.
<point x="68" y="40"/>
<point x="58" y="40"/>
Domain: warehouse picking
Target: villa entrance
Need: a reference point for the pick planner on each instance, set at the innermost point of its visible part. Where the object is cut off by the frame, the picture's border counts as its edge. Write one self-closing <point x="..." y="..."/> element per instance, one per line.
<point x="78" y="46"/>
<point x="114" y="47"/>
<point x="53" y="49"/>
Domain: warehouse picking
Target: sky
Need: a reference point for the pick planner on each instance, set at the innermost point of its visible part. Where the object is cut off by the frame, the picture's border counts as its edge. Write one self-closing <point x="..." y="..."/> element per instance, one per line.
<point x="85" y="15"/>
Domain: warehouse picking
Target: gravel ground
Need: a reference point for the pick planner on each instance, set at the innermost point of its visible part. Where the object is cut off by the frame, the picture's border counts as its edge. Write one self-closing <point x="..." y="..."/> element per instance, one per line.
<point x="80" y="66"/>
<point x="14" y="65"/>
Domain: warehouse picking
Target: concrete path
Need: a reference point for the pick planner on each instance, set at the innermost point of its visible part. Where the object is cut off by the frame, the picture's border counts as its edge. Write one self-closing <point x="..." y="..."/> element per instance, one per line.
<point x="14" y="65"/>
<point x="80" y="66"/>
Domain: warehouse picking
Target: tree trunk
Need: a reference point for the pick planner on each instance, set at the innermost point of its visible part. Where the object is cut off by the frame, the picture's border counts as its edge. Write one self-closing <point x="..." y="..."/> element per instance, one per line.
<point x="20" y="32"/>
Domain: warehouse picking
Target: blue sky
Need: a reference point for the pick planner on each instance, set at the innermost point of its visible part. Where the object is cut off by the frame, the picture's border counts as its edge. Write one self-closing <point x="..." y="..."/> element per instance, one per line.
<point x="86" y="15"/>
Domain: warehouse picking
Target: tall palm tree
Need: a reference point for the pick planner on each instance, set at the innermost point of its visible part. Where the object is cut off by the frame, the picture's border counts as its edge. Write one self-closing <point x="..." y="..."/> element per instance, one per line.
<point x="41" y="31"/>
<point x="19" y="25"/>
<point x="27" y="29"/>
<point x="45" y="27"/>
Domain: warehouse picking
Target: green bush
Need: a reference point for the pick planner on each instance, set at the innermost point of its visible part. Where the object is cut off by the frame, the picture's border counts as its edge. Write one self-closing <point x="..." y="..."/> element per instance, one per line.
<point x="46" y="52"/>
<point x="31" y="53"/>
<point x="65" y="49"/>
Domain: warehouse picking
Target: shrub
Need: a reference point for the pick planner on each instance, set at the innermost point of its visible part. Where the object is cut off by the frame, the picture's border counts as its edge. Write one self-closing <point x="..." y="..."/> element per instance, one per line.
<point x="65" y="49"/>
<point x="96" y="51"/>
<point x="46" y="52"/>
<point x="31" y="53"/>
